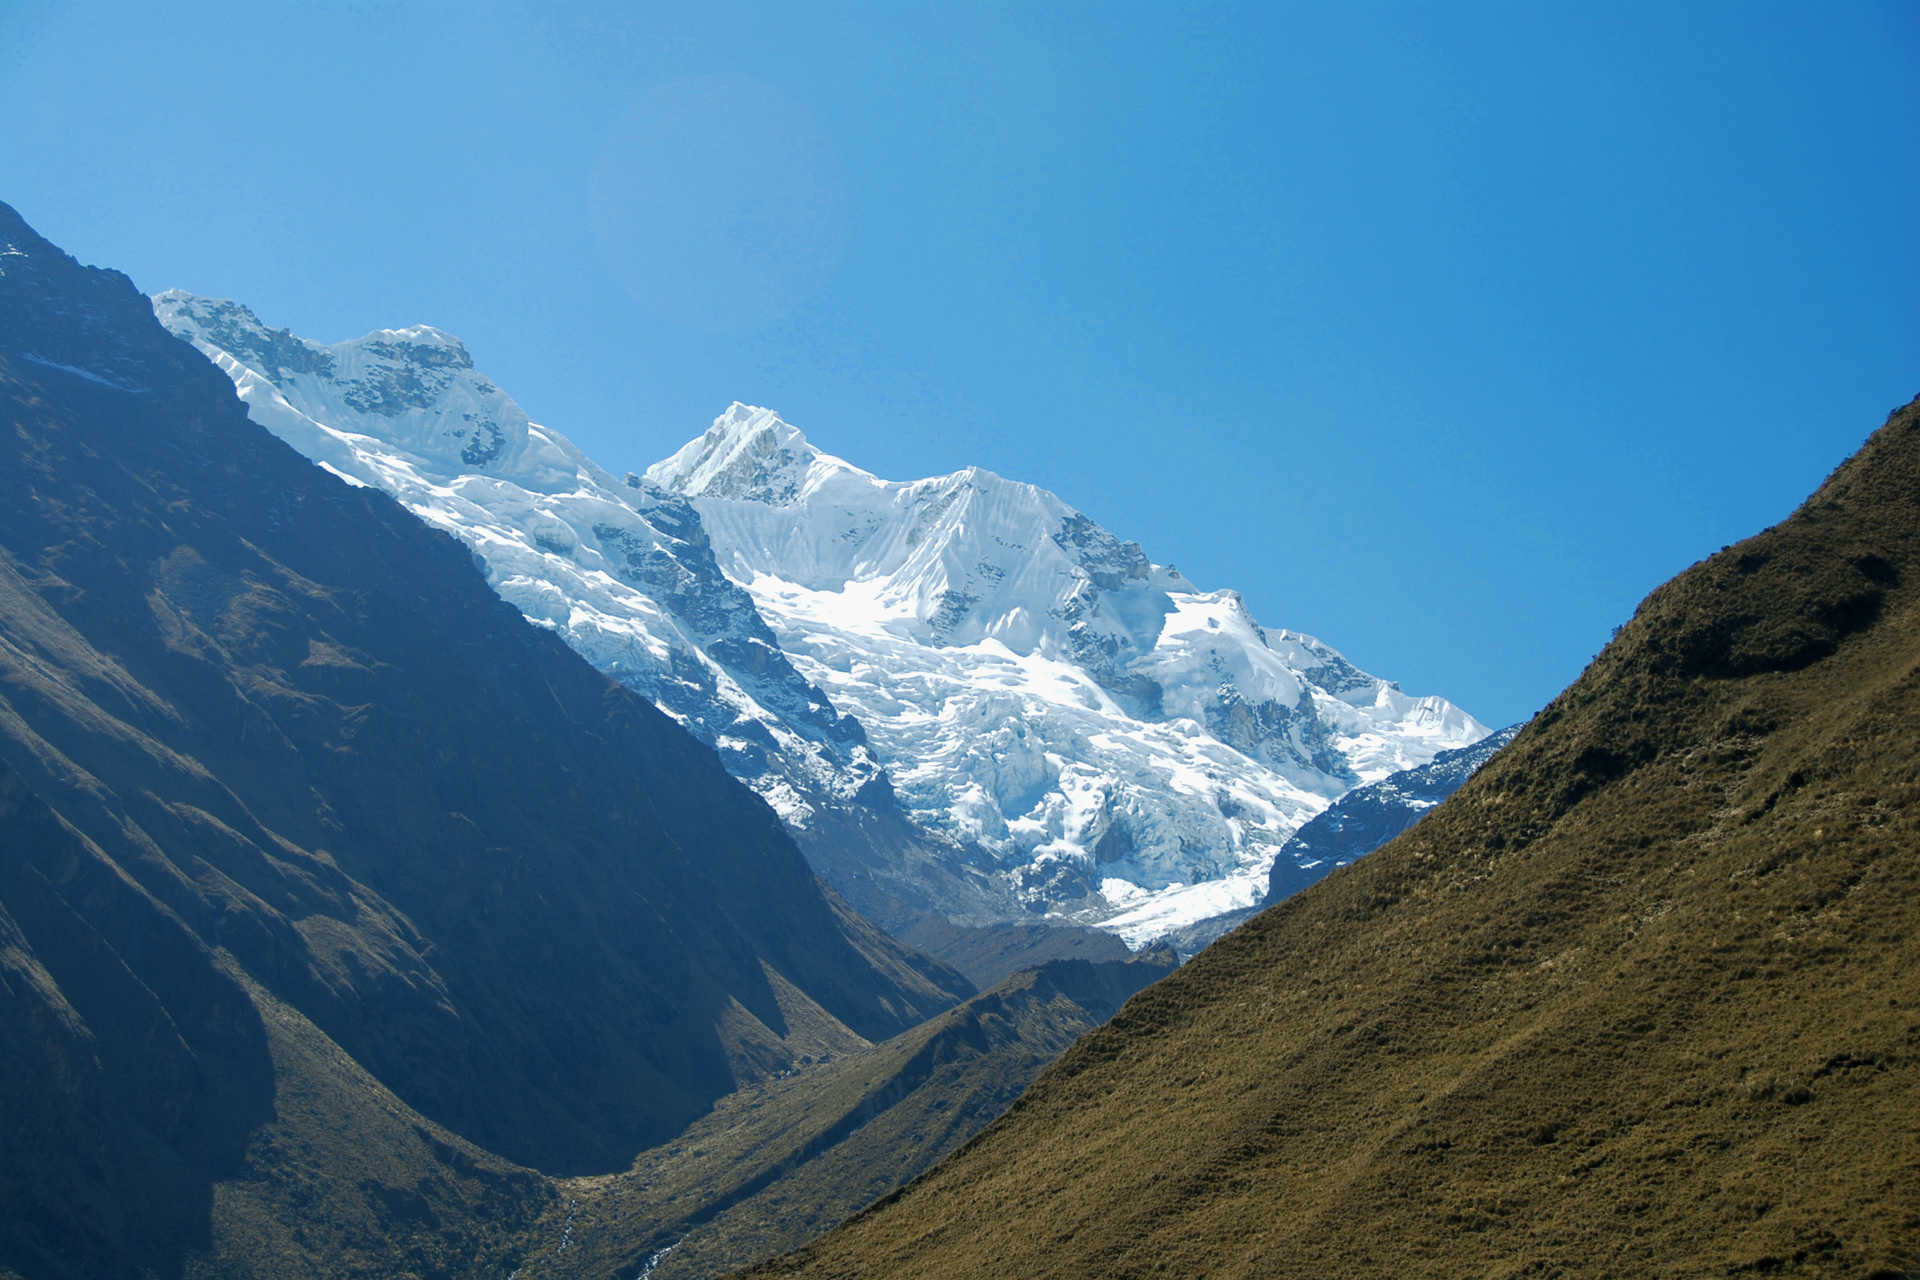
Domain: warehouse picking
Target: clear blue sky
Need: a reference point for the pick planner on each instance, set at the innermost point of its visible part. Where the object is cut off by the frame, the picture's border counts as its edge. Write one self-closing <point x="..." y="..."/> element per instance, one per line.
<point x="1444" y="331"/>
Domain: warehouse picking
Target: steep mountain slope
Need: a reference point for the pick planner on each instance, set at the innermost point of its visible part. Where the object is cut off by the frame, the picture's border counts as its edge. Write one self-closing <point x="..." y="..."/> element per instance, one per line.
<point x="784" y="1160"/>
<point x="620" y="568"/>
<point x="986" y="954"/>
<point x="290" y="799"/>
<point x="1639" y="999"/>
<point x="1354" y="825"/>
<point x="1131" y="749"/>
<point x="1367" y="817"/>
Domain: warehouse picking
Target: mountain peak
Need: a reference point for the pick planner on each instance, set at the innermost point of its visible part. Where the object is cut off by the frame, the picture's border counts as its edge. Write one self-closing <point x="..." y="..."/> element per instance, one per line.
<point x="744" y="423"/>
<point x="18" y="239"/>
<point x="421" y="345"/>
<point x="413" y="386"/>
<point x="1038" y="688"/>
<point x="235" y="328"/>
<point x="750" y="454"/>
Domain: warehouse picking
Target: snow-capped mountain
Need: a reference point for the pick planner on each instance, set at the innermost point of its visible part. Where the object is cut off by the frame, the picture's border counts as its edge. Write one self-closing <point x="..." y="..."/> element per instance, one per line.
<point x="620" y="567"/>
<point x="963" y="696"/>
<point x="1132" y="749"/>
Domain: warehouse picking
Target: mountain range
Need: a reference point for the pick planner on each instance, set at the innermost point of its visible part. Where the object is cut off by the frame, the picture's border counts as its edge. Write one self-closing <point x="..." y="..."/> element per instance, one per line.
<point x="966" y="699"/>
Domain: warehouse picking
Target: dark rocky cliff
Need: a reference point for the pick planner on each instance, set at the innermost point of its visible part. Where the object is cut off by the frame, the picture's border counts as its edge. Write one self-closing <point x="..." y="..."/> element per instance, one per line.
<point x="1367" y="817"/>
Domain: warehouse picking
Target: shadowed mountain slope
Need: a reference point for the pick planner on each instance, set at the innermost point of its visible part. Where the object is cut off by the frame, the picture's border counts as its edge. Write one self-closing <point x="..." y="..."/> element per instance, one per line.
<point x="784" y="1160"/>
<point x="1639" y="999"/>
<point x="289" y="799"/>
<point x="1367" y="817"/>
<point x="988" y="953"/>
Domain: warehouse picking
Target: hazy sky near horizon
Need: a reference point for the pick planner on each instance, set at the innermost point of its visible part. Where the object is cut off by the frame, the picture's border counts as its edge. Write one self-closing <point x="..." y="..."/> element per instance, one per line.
<point x="1442" y="332"/>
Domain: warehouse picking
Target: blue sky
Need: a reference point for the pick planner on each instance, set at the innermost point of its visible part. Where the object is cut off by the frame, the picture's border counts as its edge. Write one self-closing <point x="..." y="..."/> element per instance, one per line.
<point x="1443" y="332"/>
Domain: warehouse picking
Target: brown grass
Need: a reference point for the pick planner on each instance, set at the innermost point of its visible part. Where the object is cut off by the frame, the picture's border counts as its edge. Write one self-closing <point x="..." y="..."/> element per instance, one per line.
<point x="1641" y="999"/>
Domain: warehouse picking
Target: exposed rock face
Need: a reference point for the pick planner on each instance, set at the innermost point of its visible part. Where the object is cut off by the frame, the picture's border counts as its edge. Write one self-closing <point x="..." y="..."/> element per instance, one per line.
<point x="277" y="767"/>
<point x="1367" y="817"/>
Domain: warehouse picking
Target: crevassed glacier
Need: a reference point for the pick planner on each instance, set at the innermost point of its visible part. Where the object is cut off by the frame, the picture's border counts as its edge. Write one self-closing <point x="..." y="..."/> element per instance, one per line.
<point x="1131" y="748"/>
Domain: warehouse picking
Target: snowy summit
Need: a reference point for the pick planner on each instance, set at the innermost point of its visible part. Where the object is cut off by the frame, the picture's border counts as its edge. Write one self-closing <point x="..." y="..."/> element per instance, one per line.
<point x="619" y="567"/>
<point x="1128" y="747"/>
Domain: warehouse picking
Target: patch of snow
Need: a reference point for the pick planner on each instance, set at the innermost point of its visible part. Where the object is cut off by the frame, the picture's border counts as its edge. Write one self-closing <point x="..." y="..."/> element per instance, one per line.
<point x="78" y="372"/>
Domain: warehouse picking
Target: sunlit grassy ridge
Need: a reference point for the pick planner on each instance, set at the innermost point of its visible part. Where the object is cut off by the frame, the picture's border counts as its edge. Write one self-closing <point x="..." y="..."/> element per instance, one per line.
<point x="1640" y="999"/>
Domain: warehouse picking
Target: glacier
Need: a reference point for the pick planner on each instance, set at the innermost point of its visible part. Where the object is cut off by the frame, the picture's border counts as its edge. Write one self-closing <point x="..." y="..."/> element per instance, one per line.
<point x="1131" y="749"/>
<point x="961" y="694"/>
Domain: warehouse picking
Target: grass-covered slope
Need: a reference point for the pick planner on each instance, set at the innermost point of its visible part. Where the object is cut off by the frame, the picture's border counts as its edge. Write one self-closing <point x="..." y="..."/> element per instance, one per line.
<point x="784" y="1160"/>
<point x="1642" y="998"/>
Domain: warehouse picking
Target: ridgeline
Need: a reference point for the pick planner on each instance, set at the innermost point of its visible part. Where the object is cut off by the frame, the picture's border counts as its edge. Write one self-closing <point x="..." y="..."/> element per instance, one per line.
<point x="1639" y="999"/>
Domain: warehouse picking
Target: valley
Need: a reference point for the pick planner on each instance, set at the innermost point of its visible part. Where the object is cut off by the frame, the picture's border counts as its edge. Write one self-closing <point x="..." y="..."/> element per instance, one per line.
<point x="425" y="853"/>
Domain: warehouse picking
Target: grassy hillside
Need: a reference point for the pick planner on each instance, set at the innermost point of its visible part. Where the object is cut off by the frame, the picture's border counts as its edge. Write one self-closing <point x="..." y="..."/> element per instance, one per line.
<point x="782" y="1161"/>
<point x="1643" y="998"/>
